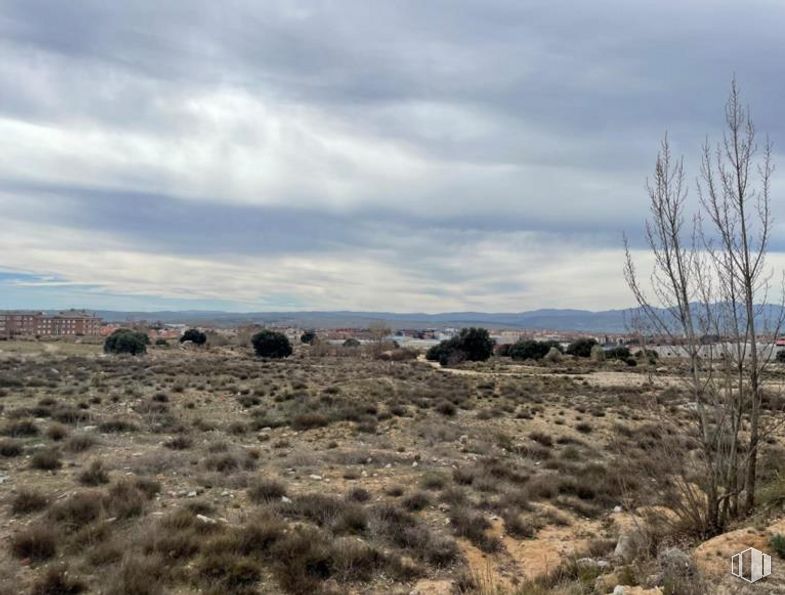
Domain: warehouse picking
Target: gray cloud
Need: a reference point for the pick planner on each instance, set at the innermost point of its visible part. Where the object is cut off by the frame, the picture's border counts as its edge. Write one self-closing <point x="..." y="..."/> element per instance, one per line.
<point x="416" y="135"/>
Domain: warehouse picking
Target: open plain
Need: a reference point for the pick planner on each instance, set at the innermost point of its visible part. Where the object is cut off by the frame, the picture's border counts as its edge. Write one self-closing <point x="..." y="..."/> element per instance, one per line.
<point x="212" y="471"/>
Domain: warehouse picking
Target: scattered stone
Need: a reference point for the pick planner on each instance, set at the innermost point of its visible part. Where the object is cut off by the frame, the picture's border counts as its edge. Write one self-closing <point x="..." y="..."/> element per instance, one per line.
<point x="675" y="566"/>
<point x="629" y="545"/>
<point x="316" y="477"/>
<point x="206" y="519"/>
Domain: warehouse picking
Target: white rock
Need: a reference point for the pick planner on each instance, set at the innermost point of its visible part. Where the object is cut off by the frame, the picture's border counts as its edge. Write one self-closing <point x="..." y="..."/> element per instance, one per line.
<point x="316" y="477"/>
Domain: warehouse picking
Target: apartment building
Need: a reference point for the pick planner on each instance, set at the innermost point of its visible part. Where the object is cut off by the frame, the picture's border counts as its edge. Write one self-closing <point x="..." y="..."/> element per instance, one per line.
<point x="31" y="323"/>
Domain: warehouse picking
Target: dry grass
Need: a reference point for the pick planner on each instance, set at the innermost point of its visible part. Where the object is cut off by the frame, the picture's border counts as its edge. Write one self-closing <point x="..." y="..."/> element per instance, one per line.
<point x="214" y="472"/>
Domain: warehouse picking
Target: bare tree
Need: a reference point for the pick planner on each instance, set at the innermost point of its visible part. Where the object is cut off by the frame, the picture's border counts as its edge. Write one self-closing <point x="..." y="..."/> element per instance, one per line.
<point x="379" y="330"/>
<point x="709" y="280"/>
<point x="735" y="193"/>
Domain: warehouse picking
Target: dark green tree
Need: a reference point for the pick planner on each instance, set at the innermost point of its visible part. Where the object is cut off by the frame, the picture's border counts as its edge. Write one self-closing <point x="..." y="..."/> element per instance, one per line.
<point x="581" y="347"/>
<point x="620" y="352"/>
<point x="128" y="341"/>
<point x="529" y="349"/>
<point x="271" y="344"/>
<point x="308" y="337"/>
<point x="195" y="336"/>
<point x="472" y="344"/>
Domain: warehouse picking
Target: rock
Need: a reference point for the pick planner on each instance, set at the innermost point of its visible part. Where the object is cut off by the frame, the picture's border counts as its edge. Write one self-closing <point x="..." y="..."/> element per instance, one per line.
<point x="606" y="582"/>
<point x="286" y="500"/>
<point x="316" y="477"/>
<point x="629" y="545"/>
<point x="191" y="494"/>
<point x="675" y="566"/>
<point x="206" y="519"/>
<point x="617" y="509"/>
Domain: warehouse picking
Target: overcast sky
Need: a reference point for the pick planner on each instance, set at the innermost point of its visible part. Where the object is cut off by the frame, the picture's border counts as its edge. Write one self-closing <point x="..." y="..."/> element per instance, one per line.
<point x="403" y="155"/>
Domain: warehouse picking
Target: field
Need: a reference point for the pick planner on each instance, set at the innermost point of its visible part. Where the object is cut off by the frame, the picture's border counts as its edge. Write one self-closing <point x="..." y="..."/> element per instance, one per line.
<point x="188" y="471"/>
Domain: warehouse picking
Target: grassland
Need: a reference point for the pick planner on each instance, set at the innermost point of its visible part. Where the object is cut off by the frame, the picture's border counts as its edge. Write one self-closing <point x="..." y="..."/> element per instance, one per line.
<point x="215" y="472"/>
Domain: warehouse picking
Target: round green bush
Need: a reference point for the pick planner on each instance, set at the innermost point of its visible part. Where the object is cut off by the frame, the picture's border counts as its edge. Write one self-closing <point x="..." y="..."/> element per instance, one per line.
<point x="472" y="344"/>
<point x="581" y="347"/>
<point x="271" y="344"/>
<point x="128" y="341"/>
<point x="529" y="349"/>
<point x="195" y="336"/>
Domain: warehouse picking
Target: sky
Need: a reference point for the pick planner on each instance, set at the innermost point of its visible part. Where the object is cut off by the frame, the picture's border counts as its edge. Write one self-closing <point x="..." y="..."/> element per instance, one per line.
<point x="394" y="155"/>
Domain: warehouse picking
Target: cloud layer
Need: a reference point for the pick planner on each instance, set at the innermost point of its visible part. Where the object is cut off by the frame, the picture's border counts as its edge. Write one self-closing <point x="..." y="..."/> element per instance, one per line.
<point x="388" y="155"/>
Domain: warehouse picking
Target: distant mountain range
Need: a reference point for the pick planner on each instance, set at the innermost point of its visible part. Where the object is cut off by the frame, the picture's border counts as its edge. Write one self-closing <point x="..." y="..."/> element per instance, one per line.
<point x="610" y="321"/>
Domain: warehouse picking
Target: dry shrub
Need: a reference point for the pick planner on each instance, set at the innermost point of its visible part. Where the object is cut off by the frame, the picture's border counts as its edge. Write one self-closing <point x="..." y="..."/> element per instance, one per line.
<point x="264" y="491"/>
<point x="46" y="459"/>
<point x="139" y="575"/>
<point x="94" y="475"/>
<point x="57" y="580"/>
<point x="80" y="443"/>
<point x="303" y="560"/>
<point x="10" y="448"/>
<point x="36" y="543"/>
<point x="28" y="500"/>
<point x="56" y="432"/>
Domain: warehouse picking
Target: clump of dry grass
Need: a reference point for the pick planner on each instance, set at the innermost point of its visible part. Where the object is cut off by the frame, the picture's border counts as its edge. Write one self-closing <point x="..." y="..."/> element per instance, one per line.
<point x="28" y="500"/>
<point x="36" y="543"/>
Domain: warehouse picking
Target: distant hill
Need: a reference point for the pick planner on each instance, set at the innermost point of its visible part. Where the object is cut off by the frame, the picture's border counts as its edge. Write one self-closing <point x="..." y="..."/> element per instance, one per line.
<point x="612" y="321"/>
<point x="607" y="321"/>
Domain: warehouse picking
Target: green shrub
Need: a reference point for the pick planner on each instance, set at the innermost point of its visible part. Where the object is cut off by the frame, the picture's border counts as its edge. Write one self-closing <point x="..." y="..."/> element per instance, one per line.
<point x="529" y="349"/>
<point x="621" y="352"/>
<point x="271" y="344"/>
<point x="581" y="347"/>
<point x="124" y="340"/>
<point x="777" y="543"/>
<point x="472" y="344"/>
<point x="308" y="337"/>
<point x="195" y="336"/>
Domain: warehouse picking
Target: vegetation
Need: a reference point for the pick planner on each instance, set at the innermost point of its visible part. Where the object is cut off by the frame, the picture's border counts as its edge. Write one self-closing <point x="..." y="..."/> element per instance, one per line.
<point x="126" y="341"/>
<point x="195" y="336"/>
<point x="530" y="349"/>
<point x="271" y="344"/>
<point x="722" y="382"/>
<point x="620" y="353"/>
<point x="471" y="344"/>
<point x="308" y="337"/>
<point x="581" y="347"/>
